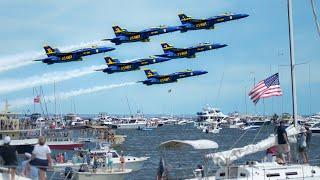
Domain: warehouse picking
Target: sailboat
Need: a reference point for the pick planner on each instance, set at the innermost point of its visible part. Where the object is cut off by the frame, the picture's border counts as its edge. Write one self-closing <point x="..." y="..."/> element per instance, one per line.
<point x="265" y="170"/>
<point x="255" y="170"/>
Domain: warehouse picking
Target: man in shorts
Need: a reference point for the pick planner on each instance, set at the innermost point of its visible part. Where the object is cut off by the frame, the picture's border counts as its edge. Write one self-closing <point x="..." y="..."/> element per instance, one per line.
<point x="283" y="143"/>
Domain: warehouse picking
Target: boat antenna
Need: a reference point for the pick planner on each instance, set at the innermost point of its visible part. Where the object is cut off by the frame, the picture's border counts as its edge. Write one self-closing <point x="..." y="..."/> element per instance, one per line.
<point x="128" y="105"/>
<point x="292" y="63"/>
<point x="315" y="16"/>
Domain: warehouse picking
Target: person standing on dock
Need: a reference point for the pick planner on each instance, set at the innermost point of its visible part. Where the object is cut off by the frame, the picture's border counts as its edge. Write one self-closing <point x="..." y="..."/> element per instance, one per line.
<point x="9" y="156"/>
<point x="41" y="157"/>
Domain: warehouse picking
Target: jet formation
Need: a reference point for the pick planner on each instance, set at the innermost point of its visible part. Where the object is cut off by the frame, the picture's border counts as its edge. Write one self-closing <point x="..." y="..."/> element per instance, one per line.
<point x="169" y="52"/>
<point x="154" y="78"/>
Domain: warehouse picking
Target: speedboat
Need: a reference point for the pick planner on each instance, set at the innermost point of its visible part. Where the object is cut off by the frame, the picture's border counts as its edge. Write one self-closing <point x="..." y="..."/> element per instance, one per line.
<point x="131" y="162"/>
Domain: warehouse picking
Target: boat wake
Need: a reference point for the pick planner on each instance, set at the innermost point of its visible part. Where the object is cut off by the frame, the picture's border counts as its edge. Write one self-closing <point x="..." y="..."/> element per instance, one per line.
<point x="23" y="59"/>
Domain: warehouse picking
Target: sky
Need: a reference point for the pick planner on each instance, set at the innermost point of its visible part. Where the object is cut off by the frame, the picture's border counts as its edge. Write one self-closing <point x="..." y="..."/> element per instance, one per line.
<point x="257" y="48"/>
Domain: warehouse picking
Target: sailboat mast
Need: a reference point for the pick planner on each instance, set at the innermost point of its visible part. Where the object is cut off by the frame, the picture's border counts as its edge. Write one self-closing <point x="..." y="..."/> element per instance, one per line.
<point x="292" y="63"/>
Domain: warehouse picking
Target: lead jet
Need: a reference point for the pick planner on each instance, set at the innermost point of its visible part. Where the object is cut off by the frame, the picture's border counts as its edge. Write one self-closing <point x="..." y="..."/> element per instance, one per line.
<point x="154" y="78"/>
<point x="190" y="52"/>
<point x="189" y="23"/>
<point x="114" y="65"/>
<point x="55" y="56"/>
<point x="125" y="36"/>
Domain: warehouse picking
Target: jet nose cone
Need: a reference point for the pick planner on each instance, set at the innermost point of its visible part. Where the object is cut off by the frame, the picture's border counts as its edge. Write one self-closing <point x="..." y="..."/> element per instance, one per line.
<point x="162" y="59"/>
<point x="244" y="15"/>
<point x="111" y="48"/>
<point x="239" y="16"/>
<point x="200" y="72"/>
<point x="220" y="45"/>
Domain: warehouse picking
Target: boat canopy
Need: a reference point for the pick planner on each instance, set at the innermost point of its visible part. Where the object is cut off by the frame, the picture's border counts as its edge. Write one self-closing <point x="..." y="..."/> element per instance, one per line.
<point x="196" y="144"/>
<point x="20" y="142"/>
<point x="227" y="157"/>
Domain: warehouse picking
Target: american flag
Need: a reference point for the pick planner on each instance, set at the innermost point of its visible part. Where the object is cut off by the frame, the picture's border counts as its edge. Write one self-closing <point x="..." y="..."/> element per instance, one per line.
<point x="36" y="99"/>
<point x="266" y="88"/>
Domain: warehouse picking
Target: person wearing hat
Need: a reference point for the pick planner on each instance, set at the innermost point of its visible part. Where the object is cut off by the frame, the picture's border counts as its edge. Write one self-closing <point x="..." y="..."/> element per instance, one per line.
<point x="9" y="156"/>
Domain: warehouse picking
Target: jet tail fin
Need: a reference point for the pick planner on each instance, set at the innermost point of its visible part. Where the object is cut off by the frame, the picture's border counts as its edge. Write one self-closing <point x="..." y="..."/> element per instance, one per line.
<point x="111" y="61"/>
<point x="118" y="30"/>
<point x="166" y="47"/>
<point x="184" y="18"/>
<point x="149" y="73"/>
<point x="50" y="51"/>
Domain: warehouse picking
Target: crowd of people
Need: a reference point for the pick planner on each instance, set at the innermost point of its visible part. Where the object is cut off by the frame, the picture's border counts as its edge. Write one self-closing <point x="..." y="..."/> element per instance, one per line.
<point x="34" y="165"/>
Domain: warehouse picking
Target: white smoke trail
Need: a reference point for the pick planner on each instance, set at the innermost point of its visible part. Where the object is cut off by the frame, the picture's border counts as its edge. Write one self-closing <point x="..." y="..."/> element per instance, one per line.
<point x="47" y="78"/>
<point x="28" y="101"/>
<point x="23" y="59"/>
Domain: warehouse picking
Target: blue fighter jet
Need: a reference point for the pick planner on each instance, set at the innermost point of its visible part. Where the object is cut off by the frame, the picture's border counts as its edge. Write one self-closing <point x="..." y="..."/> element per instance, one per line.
<point x="114" y="65"/>
<point x="189" y="23"/>
<point x="125" y="36"/>
<point x="55" y="56"/>
<point x="190" y="52"/>
<point x="154" y="78"/>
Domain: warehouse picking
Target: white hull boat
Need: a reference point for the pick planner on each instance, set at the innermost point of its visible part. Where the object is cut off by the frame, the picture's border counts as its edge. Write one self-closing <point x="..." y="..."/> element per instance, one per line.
<point x="266" y="170"/>
<point x="103" y="175"/>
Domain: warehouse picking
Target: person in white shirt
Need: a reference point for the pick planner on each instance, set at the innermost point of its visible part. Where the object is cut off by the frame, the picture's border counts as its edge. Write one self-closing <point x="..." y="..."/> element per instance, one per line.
<point x="41" y="157"/>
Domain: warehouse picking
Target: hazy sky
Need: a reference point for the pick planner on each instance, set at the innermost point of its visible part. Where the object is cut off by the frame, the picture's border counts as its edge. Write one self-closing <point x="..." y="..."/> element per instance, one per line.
<point x="257" y="46"/>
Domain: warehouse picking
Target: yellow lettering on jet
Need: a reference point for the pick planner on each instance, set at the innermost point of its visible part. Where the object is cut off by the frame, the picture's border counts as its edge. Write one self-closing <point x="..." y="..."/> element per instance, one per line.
<point x="221" y="19"/>
<point x="144" y="62"/>
<point x="135" y="37"/>
<point x="183" y="53"/>
<point x="201" y="24"/>
<point x="86" y="52"/>
<point x="200" y="49"/>
<point x="166" y="79"/>
<point x="125" y="67"/>
<point x="68" y="57"/>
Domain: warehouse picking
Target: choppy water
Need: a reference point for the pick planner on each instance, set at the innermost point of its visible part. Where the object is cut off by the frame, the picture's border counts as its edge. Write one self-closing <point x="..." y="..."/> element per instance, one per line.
<point x="182" y="162"/>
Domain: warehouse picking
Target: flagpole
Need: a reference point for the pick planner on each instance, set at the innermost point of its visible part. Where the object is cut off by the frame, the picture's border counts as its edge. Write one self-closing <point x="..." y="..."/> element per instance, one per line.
<point x="292" y="63"/>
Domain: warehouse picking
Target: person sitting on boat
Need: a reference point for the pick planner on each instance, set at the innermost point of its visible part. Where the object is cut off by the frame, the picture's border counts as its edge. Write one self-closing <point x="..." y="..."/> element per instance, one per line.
<point x="283" y="143"/>
<point x="122" y="161"/>
<point x="271" y="153"/>
<point x="9" y="155"/>
<point x="41" y="157"/>
<point x="109" y="161"/>
<point x="25" y="166"/>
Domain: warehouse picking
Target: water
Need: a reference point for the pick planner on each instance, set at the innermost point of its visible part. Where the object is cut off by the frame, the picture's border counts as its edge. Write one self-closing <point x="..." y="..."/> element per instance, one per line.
<point x="181" y="163"/>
